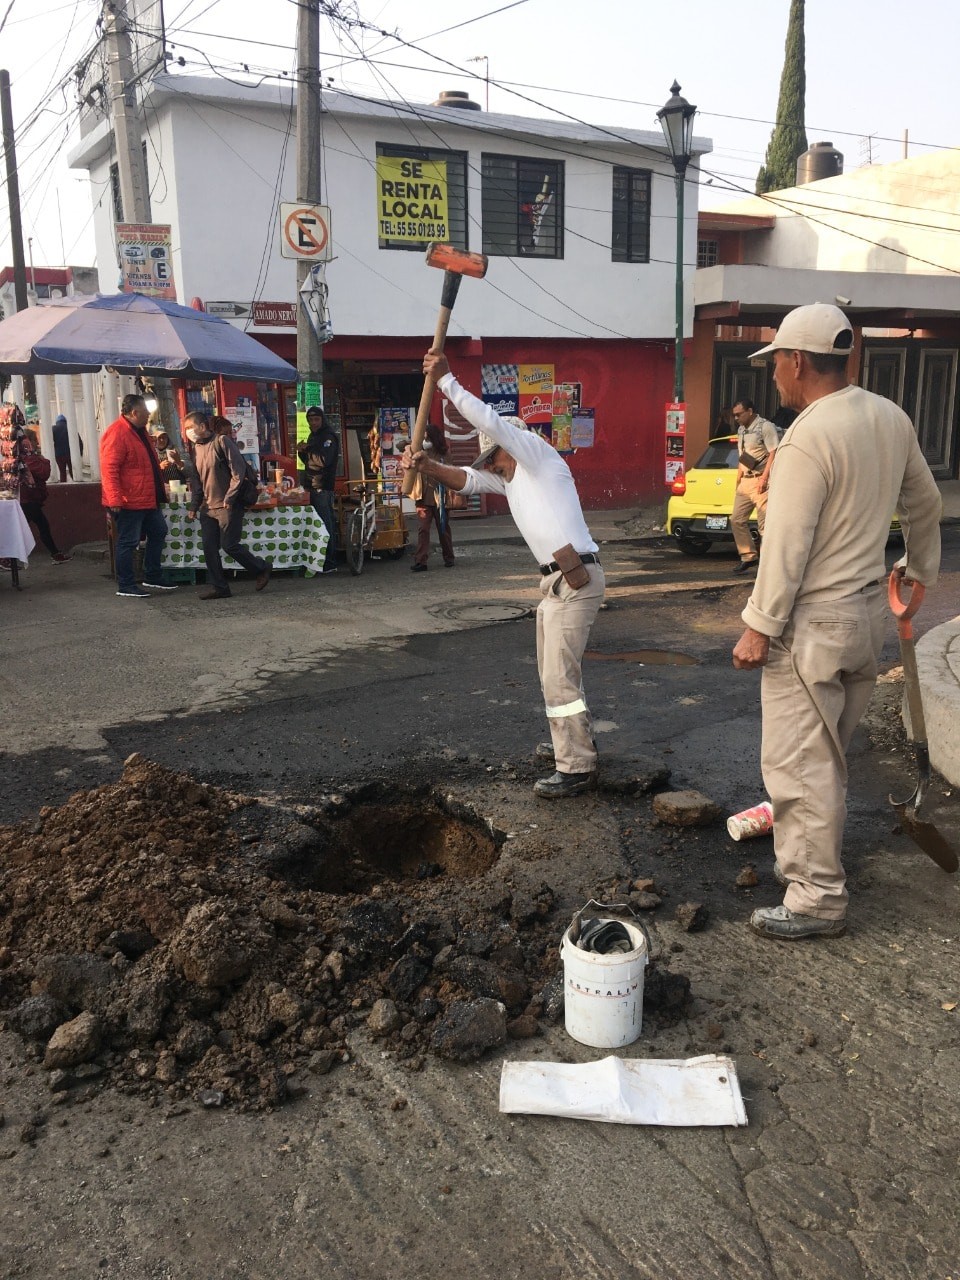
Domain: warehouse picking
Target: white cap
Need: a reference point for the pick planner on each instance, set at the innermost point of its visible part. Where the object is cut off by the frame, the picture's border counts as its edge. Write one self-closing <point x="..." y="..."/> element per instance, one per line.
<point x="820" y="327"/>
<point x="489" y="447"/>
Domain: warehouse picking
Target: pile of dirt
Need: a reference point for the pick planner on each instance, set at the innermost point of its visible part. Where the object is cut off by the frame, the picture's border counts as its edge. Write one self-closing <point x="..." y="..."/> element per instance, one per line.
<point x="177" y="940"/>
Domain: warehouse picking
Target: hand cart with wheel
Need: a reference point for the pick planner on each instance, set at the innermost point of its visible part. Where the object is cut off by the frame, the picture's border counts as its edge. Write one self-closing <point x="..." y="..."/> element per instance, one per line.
<point x="370" y="515"/>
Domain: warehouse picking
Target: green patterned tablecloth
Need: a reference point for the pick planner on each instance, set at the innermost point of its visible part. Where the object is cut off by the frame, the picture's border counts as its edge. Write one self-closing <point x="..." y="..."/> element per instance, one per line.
<point x="292" y="537"/>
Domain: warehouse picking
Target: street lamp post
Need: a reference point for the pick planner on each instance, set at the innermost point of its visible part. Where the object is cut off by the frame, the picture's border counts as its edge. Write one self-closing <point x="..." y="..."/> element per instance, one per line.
<point x="676" y="121"/>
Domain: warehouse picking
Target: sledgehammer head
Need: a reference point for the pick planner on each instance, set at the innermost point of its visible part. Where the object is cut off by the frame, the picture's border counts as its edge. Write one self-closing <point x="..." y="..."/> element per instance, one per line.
<point x="447" y="258"/>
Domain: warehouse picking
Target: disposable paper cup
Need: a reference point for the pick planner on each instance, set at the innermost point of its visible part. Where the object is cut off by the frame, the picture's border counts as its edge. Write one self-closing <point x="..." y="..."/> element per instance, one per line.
<point x="757" y="821"/>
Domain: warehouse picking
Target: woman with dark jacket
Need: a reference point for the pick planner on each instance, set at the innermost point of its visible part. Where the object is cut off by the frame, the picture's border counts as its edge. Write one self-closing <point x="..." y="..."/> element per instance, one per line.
<point x="34" y="474"/>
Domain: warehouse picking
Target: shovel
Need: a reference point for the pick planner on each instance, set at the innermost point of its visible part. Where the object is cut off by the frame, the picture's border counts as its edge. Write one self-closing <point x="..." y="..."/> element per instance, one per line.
<point x="923" y="834"/>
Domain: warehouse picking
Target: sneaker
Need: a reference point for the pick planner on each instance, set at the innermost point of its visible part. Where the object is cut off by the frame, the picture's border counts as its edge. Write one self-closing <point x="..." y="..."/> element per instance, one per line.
<point x="449" y="564"/>
<point x="61" y="558"/>
<point x="161" y="586"/>
<point x="418" y="568"/>
<point x="332" y="569"/>
<point x="787" y="926"/>
<point x="264" y="576"/>
<point x="134" y="593"/>
<point x="744" y="566"/>
<point x="214" y="594"/>
<point x="545" y="751"/>
<point x="560" y="785"/>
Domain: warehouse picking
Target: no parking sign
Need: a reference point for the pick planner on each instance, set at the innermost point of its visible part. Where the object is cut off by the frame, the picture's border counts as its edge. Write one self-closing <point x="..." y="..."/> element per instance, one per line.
<point x="305" y="232"/>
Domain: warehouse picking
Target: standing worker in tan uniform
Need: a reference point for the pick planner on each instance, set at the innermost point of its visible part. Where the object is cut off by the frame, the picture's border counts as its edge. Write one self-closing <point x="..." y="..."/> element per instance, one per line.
<point x="816" y="618"/>
<point x="757" y="441"/>
<point x="543" y="501"/>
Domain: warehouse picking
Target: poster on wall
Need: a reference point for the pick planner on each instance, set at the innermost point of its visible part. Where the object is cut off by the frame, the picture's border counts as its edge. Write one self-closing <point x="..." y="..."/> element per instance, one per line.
<point x="243" y="415"/>
<point x="675" y="440"/>
<point x="146" y="265"/>
<point x="394" y="426"/>
<point x="411" y="200"/>
<point x="582" y="429"/>
<point x="499" y="388"/>
<point x="536" y="395"/>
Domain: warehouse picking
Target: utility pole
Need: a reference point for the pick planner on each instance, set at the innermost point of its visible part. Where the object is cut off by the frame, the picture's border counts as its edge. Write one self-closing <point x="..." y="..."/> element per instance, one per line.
<point x="123" y="107"/>
<point x="13" y="194"/>
<point x="309" y="350"/>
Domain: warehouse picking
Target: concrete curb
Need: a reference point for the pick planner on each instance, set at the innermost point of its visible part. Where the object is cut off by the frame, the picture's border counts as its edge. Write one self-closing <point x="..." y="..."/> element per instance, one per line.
<point x="938" y="661"/>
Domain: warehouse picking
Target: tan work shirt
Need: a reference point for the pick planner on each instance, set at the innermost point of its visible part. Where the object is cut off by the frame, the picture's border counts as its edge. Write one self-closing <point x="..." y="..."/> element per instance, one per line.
<point x="847" y="462"/>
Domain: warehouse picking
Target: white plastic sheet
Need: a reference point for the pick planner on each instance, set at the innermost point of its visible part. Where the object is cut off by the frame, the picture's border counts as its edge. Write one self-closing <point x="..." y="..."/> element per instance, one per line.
<point x="669" y="1091"/>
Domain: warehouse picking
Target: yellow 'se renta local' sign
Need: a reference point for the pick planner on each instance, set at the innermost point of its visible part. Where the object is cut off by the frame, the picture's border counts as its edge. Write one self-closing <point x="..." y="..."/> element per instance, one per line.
<point x="411" y="200"/>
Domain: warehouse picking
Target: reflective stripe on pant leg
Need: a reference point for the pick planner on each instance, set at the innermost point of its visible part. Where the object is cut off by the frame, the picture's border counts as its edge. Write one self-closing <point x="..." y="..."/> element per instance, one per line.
<point x="564" y="620"/>
<point x="568" y="709"/>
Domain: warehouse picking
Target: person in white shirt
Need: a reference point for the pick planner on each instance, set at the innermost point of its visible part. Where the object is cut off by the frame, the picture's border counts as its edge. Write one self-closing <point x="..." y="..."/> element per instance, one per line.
<point x="543" y="501"/>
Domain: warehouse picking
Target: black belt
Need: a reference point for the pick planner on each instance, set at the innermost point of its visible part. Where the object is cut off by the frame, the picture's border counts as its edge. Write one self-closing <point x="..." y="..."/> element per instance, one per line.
<point x="588" y="557"/>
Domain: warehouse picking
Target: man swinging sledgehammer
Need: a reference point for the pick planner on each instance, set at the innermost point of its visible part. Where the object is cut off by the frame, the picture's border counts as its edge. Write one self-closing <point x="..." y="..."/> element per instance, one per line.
<point x="543" y="501"/>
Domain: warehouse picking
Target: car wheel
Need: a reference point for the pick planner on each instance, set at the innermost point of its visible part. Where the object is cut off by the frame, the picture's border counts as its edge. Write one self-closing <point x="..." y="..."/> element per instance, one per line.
<point x="693" y="546"/>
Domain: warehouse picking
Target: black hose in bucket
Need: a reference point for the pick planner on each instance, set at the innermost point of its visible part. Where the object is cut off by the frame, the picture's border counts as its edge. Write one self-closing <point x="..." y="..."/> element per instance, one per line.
<point x="605" y="937"/>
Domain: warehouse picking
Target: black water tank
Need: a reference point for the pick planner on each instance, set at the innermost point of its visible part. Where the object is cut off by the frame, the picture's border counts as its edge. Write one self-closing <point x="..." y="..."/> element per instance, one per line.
<point x="456" y="98"/>
<point x="823" y="160"/>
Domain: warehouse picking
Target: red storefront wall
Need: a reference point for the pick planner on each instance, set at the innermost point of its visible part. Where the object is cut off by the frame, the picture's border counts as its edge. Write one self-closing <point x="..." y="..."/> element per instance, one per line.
<point x="626" y="382"/>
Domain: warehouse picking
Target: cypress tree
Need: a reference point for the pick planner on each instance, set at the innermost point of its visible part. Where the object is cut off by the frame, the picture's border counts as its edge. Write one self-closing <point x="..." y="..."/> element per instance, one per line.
<point x="788" y="141"/>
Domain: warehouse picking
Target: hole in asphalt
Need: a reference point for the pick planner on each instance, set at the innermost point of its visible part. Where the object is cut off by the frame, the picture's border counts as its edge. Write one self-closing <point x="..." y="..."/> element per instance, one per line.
<point x="401" y="842"/>
<point x="477" y="613"/>
<point x="649" y="657"/>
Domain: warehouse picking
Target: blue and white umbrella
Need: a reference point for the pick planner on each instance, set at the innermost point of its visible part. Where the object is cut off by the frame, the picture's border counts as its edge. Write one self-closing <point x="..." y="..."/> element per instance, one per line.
<point x="133" y="334"/>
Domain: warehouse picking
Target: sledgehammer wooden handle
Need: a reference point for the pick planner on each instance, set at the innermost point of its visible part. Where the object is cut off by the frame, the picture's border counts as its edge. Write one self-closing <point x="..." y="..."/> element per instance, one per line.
<point x="426" y="396"/>
<point x="455" y="263"/>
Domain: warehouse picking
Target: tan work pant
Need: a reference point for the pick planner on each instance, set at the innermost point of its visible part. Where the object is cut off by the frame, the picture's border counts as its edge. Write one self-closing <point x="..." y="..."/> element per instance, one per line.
<point x="815" y="687"/>
<point x="564" y="619"/>
<point x="748" y="496"/>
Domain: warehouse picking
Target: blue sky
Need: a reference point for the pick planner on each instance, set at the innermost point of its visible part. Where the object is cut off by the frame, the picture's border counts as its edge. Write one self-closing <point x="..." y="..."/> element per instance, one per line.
<point x="874" y="69"/>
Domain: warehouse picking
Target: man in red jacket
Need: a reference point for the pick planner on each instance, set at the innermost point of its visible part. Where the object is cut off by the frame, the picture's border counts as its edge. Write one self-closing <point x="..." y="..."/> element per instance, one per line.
<point x="132" y="493"/>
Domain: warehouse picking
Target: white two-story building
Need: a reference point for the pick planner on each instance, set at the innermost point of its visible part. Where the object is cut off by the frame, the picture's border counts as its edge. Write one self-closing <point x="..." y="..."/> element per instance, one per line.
<point x="578" y="222"/>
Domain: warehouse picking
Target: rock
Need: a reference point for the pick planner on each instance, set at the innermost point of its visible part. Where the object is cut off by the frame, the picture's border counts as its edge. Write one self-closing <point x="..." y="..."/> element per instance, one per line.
<point x="664" y="991"/>
<point x="166" y="1068"/>
<point x="285" y="1008"/>
<point x="406" y="978"/>
<point x="192" y="1041"/>
<point x="523" y="1028"/>
<point x="132" y="943"/>
<point x="210" y="1098"/>
<point x="553" y="999"/>
<point x="81" y="981"/>
<point x="37" y="1017"/>
<point x="691" y="916"/>
<point x="73" y="1042"/>
<point x="281" y="916"/>
<point x="685" y="809"/>
<point x="468" y="1029"/>
<point x="645" y="901"/>
<point x="748" y="877"/>
<point x="217" y="943"/>
<point x="58" y="1081"/>
<point x="384" y="1018"/>
<point x="323" y="1061"/>
<point x="335" y="966"/>
<point x="644" y="885"/>
<point x="481" y="978"/>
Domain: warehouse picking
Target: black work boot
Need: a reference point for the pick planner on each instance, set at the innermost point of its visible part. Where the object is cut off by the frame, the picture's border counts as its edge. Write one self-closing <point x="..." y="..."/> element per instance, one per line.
<point x="560" y="785"/>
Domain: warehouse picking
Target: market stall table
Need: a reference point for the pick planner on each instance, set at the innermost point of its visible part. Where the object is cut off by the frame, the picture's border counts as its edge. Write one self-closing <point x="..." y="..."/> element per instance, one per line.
<point x="16" y="538"/>
<point x="293" y="537"/>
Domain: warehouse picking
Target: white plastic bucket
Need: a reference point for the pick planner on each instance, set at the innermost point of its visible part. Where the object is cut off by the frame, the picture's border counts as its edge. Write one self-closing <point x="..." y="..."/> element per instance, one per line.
<point x="603" y="995"/>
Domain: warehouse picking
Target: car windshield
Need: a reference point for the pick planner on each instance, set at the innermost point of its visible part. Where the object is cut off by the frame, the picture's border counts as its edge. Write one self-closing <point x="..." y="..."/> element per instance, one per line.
<point x="720" y="455"/>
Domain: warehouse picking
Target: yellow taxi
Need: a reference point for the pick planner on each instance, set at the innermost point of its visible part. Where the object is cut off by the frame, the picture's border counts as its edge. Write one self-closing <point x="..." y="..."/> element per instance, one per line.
<point x="701" y="501"/>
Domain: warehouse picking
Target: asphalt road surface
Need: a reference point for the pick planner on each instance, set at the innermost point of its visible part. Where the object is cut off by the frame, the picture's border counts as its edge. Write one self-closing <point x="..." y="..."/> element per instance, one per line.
<point x="848" y="1051"/>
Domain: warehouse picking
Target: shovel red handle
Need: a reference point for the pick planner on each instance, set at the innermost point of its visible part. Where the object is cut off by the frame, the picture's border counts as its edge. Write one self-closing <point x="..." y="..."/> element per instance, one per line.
<point x="903" y="610"/>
